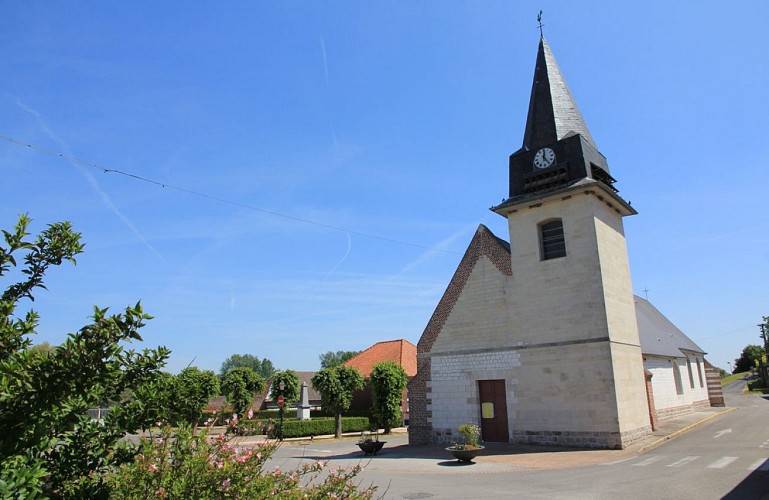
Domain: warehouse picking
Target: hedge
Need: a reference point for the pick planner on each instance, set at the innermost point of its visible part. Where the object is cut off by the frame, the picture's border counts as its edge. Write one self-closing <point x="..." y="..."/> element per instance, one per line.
<point x="320" y="426"/>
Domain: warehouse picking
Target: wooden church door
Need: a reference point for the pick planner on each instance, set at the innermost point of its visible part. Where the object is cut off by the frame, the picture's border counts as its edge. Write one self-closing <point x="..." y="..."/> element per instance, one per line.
<point x="493" y="410"/>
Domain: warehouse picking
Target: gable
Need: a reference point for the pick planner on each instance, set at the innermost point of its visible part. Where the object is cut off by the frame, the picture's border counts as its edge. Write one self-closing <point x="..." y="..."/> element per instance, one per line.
<point x="483" y="245"/>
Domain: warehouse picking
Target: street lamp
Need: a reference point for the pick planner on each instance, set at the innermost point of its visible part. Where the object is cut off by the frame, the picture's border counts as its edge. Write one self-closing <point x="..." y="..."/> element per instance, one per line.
<point x="281" y="386"/>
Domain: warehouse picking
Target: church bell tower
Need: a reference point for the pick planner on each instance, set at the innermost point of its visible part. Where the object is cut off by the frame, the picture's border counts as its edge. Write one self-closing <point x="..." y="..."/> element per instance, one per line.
<point x="572" y="307"/>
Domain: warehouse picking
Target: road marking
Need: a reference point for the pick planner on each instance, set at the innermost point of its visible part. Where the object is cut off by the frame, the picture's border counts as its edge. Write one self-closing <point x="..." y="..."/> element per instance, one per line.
<point x="619" y="461"/>
<point x="683" y="461"/>
<point x="721" y="433"/>
<point x="646" y="462"/>
<point x="765" y="444"/>
<point x="722" y="462"/>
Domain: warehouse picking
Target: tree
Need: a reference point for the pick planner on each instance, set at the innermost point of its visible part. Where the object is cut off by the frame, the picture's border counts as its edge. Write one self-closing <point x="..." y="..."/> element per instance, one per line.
<point x="749" y="359"/>
<point x="49" y="445"/>
<point x="239" y="386"/>
<point x="331" y="359"/>
<point x="336" y="386"/>
<point x="193" y="389"/>
<point x="43" y="348"/>
<point x="262" y="367"/>
<point x="291" y="386"/>
<point x="388" y="381"/>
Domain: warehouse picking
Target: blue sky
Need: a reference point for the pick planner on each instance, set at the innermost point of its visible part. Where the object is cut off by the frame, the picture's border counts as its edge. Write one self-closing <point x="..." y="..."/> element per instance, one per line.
<point x="385" y="125"/>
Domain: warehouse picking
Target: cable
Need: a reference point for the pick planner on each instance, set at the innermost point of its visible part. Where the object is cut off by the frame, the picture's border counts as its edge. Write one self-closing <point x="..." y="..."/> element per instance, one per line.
<point x="215" y="198"/>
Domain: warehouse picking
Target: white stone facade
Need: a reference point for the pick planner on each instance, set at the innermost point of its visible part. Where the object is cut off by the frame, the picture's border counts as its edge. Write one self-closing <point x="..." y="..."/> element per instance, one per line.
<point x="454" y="387"/>
<point x="675" y="397"/>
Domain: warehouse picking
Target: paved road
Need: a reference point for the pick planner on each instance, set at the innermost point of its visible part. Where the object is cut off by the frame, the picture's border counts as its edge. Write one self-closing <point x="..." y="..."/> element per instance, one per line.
<point x="727" y="457"/>
<point x="736" y="387"/>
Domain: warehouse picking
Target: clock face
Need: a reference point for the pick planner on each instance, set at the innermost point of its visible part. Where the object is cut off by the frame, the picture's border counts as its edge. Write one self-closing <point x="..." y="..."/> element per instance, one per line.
<point x="544" y="158"/>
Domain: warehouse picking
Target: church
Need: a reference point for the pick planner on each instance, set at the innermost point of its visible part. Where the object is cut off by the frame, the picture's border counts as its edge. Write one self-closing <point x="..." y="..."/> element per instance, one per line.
<point x="540" y="339"/>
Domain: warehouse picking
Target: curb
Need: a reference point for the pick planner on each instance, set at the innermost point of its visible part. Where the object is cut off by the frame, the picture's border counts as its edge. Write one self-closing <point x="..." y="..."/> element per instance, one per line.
<point x="689" y="427"/>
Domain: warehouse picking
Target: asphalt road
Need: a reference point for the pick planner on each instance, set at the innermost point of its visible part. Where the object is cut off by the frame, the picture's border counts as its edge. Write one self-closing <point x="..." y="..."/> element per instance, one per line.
<point x="727" y="457"/>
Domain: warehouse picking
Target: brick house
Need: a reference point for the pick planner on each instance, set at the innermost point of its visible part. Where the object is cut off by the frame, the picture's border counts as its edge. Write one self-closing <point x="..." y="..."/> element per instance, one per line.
<point x="401" y="352"/>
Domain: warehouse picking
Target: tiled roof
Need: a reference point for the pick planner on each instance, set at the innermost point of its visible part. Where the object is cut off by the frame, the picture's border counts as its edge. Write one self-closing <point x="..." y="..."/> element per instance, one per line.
<point x="399" y="351"/>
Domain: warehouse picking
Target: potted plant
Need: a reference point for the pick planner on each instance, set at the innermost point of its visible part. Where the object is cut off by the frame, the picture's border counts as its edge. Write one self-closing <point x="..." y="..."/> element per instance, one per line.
<point x="369" y="442"/>
<point x="469" y="448"/>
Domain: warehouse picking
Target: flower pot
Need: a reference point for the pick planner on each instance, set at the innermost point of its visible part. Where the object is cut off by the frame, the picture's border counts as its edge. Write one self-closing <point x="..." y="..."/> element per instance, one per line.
<point x="371" y="447"/>
<point x="463" y="454"/>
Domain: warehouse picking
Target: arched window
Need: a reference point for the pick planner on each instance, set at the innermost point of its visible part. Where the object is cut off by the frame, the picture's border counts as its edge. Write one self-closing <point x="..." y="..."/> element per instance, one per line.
<point x="551" y="241"/>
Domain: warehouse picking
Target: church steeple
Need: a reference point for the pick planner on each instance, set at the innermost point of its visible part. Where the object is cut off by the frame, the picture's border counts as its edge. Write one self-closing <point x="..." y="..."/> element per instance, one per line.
<point x="553" y="113"/>
<point x="558" y="152"/>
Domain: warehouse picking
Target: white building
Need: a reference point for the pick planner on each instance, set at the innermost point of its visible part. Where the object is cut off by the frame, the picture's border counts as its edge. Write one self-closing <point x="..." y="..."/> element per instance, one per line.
<point x="541" y="340"/>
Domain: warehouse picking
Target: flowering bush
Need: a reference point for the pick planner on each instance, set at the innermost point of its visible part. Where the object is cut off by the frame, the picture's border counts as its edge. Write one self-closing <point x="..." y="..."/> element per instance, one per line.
<point x="471" y="433"/>
<point x="189" y="466"/>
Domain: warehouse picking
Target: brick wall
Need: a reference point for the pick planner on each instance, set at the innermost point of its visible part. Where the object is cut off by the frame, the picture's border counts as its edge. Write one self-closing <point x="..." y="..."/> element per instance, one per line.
<point x="715" y="389"/>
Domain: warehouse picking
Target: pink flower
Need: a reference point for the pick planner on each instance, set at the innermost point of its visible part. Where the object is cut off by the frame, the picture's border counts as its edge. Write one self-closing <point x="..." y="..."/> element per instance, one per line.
<point x="250" y="414"/>
<point x="153" y="467"/>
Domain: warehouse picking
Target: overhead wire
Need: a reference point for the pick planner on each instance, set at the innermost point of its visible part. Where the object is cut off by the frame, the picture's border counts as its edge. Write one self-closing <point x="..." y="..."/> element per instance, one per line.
<point x="106" y="170"/>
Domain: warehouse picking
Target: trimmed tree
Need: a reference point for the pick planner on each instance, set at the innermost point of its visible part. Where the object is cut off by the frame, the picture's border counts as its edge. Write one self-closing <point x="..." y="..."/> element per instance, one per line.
<point x="336" y="386"/>
<point x="388" y="381"/>
<point x="194" y="389"/>
<point x="239" y="386"/>
<point x="291" y="386"/>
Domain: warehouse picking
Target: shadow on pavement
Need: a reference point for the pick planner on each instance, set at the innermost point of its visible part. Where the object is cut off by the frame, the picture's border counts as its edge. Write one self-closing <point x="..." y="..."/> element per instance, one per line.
<point x="432" y="452"/>
<point x="756" y="485"/>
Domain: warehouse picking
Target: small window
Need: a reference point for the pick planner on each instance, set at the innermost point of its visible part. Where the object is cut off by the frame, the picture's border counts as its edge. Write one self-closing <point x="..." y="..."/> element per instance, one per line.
<point x="552" y="242"/>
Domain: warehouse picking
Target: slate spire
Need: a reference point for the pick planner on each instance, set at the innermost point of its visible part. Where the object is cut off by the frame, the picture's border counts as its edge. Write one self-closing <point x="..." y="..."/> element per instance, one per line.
<point x="553" y="113"/>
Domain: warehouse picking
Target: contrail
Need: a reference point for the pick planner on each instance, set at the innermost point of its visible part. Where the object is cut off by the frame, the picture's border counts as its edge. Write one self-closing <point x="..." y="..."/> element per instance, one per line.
<point x="344" y="257"/>
<point x="90" y="178"/>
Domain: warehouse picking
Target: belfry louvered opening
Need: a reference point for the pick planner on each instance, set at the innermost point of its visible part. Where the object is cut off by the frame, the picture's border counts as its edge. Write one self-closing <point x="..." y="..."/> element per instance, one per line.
<point x="552" y="242"/>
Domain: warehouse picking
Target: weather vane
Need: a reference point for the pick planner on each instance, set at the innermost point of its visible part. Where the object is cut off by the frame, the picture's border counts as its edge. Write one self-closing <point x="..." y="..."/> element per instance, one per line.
<point x="539" y="20"/>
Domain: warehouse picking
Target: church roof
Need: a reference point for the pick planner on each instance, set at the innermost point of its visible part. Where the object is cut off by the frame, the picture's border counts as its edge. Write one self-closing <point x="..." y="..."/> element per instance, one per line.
<point x="658" y="335"/>
<point x="553" y="113"/>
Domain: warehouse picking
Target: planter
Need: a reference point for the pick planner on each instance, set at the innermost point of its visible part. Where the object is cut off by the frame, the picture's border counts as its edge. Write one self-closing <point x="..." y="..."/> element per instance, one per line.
<point x="371" y="447"/>
<point x="464" y="455"/>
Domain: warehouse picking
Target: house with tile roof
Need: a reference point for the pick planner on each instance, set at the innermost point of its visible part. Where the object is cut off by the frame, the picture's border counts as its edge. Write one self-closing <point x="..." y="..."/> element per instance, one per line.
<point x="401" y="352"/>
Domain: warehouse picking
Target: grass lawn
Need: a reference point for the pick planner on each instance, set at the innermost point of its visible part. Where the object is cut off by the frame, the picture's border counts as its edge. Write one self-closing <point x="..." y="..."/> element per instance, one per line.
<point x="734" y="377"/>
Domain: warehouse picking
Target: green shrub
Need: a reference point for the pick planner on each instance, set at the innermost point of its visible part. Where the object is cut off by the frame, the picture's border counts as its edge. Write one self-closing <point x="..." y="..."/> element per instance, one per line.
<point x="274" y="414"/>
<point x="319" y="426"/>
